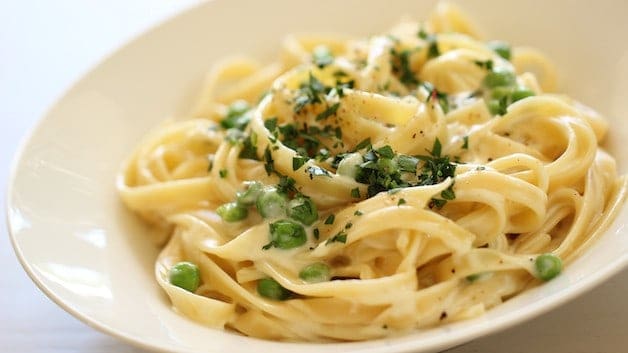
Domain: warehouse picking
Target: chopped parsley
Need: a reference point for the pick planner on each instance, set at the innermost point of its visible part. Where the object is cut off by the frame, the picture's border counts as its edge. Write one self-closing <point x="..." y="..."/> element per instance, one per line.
<point x="474" y="277"/>
<point x="363" y="144"/>
<point x="287" y="185"/>
<point x="379" y="172"/>
<point x="486" y="64"/>
<point x="401" y="202"/>
<point x="331" y="110"/>
<point x="432" y="44"/>
<point x="248" y="142"/>
<point x="383" y="170"/>
<point x="309" y="140"/>
<point x="407" y="163"/>
<point x="223" y="173"/>
<point x="436" y="169"/>
<point x="435" y="95"/>
<point x="340" y="237"/>
<point x="501" y="48"/>
<point x="269" y="163"/>
<point x="330" y="219"/>
<point x="249" y="147"/>
<point x="313" y="91"/>
<point x="385" y="152"/>
<point x="400" y="61"/>
<point x="310" y="93"/>
<point x="501" y="90"/>
<point x="298" y="162"/>
<point x="270" y="124"/>
<point x="465" y="143"/>
<point x="338" y="133"/>
<point x="322" y="56"/>
<point x="355" y="193"/>
<point x="236" y="116"/>
<point x="432" y="50"/>
<point x="358" y="213"/>
<point x="437" y="203"/>
<point x="448" y="194"/>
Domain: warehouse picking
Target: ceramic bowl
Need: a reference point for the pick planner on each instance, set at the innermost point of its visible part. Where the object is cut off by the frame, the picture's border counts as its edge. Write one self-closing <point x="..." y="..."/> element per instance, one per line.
<point x="94" y="258"/>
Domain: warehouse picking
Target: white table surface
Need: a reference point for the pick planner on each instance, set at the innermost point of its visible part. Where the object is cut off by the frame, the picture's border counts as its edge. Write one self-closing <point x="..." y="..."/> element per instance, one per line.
<point x="45" y="46"/>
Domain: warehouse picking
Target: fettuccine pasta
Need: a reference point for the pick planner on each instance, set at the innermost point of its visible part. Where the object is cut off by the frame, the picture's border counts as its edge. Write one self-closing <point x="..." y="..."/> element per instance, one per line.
<point x="359" y="188"/>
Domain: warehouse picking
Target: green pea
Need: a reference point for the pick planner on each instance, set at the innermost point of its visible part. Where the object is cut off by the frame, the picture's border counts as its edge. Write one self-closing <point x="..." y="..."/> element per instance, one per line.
<point x="271" y="203"/>
<point x="271" y="289"/>
<point x="548" y="266"/>
<point x="501" y="48"/>
<point x="287" y="234"/>
<point x="521" y="93"/>
<point x="499" y="77"/>
<point x="498" y="106"/>
<point x="316" y="272"/>
<point x="250" y="194"/>
<point x="232" y="212"/>
<point x="185" y="275"/>
<point x="303" y="210"/>
<point x="501" y="92"/>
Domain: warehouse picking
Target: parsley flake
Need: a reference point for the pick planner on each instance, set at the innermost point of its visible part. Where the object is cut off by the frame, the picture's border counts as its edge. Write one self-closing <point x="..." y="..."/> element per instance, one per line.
<point x="400" y="61"/>
<point x="386" y="152"/>
<point x="340" y="237"/>
<point x="363" y="144"/>
<point x="298" y="162"/>
<point x="237" y="116"/>
<point x="271" y="124"/>
<point x="486" y="64"/>
<point x="328" y="112"/>
<point x="432" y="49"/>
<point x="269" y="164"/>
<point x="310" y="93"/>
<point x="322" y="56"/>
<point x="434" y="94"/>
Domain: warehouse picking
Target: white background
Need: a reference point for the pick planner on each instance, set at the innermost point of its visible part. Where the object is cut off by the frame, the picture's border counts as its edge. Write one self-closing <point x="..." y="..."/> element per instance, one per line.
<point x="47" y="45"/>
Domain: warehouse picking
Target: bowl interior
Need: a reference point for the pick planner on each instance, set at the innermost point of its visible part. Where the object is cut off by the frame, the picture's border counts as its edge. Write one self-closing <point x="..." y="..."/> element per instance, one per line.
<point x="94" y="258"/>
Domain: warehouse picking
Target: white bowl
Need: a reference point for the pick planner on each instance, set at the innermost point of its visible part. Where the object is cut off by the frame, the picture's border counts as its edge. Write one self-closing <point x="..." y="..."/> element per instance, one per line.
<point x="93" y="257"/>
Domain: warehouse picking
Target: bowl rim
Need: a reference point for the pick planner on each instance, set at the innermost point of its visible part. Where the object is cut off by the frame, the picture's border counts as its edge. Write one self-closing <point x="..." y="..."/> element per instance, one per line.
<point x="460" y="336"/>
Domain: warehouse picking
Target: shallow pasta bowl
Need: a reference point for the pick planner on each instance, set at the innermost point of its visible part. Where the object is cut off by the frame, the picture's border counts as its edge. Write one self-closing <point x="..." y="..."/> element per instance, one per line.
<point x="95" y="259"/>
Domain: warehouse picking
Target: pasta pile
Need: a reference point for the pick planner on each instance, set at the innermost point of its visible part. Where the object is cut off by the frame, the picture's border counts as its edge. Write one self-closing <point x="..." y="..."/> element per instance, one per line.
<point x="362" y="188"/>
